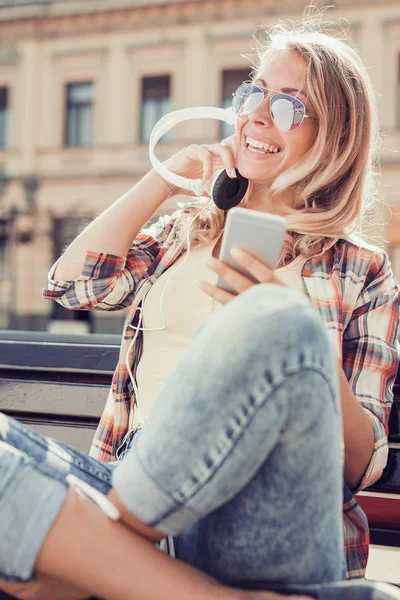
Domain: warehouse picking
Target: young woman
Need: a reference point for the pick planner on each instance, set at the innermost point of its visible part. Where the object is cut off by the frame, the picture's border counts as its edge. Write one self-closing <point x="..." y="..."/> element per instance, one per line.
<point x="241" y="458"/>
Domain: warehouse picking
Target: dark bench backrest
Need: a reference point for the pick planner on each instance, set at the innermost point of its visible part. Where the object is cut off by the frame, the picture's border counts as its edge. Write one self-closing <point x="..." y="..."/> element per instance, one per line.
<point x="390" y="480"/>
<point x="57" y="384"/>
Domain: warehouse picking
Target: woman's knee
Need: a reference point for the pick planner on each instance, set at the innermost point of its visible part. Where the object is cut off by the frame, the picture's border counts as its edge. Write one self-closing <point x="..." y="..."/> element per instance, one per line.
<point x="269" y="316"/>
<point x="270" y="298"/>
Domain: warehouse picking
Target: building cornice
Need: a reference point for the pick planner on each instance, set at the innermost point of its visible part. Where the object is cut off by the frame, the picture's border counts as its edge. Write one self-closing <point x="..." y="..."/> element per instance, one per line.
<point x="41" y="23"/>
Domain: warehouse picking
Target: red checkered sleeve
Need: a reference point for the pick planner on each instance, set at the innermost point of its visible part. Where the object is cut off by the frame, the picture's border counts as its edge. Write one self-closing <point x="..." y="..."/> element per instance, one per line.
<point x="371" y="356"/>
<point x="109" y="282"/>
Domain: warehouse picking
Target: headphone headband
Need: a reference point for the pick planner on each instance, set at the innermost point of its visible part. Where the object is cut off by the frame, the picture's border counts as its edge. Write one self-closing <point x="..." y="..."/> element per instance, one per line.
<point x="170" y="120"/>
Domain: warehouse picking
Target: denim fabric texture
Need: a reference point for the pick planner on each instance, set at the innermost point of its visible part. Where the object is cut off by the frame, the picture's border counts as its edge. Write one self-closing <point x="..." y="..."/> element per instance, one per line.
<point x="33" y="488"/>
<point x="254" y="484"/>
<point x="353" y="288"/>
<point x="241" y="460"/>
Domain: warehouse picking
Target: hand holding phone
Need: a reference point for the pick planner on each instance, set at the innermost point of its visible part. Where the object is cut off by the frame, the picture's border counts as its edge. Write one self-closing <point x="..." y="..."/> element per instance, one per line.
<point x="260" y="234"/>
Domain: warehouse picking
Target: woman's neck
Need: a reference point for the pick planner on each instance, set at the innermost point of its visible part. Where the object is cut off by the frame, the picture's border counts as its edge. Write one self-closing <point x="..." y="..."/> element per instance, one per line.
<point x="261" y="199"/>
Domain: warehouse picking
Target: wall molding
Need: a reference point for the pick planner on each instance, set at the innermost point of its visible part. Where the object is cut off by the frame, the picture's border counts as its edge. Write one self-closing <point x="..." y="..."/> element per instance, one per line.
<point x="150" y="14"/>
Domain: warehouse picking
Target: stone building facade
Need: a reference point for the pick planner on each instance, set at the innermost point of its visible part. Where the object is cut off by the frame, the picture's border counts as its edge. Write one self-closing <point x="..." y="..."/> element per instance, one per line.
<point x="81" y="84"/>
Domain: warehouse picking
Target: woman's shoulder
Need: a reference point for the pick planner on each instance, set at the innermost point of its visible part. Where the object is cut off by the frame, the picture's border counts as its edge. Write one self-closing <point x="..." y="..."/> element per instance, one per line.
<point x="356" y="272"/>
<point x="361" y="262"/>
<point x="356" y="243"/>
<point x="353" y="252"/>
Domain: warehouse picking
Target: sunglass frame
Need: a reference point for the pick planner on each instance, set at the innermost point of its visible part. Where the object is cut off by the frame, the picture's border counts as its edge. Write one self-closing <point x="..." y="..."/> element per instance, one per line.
<point x="297" y="103"/>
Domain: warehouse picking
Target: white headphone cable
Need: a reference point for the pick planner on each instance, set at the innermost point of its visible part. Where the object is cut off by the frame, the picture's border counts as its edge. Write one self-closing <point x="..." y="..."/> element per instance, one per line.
<point x="138" y="327"/>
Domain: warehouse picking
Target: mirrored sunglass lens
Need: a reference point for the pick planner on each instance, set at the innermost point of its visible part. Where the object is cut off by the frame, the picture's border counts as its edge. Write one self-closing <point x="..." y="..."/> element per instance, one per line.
<point x="288" y="112"/>
<point x="283" y="111"/>
<point x="247" y="97"/>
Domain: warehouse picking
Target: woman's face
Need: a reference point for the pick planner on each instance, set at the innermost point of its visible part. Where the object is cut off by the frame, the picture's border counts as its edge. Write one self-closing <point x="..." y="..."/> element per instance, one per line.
<point x="284" y="71"/>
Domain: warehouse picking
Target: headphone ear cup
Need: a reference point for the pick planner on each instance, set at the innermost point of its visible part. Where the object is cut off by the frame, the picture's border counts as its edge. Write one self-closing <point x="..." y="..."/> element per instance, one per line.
<point x="227" y="192"/>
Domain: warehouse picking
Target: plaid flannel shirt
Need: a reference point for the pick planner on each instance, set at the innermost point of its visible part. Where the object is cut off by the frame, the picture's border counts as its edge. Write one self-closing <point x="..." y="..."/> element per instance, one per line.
<point x="351" y="285"/>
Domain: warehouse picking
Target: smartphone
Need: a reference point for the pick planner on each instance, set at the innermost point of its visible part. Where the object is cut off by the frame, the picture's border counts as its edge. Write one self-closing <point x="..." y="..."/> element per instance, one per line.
<point x="261" y="234"/>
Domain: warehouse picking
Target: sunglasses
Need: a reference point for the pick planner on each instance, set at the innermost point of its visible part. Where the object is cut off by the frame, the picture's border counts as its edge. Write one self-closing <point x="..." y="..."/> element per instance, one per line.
<point x="287" y="112"/>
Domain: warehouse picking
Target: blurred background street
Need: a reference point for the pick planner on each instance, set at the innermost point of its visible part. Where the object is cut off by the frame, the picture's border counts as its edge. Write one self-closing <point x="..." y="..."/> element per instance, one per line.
<point x="82" y="83"/>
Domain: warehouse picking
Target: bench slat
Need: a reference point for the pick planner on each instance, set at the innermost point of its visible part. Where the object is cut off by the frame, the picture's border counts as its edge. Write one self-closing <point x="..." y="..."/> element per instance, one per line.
<point x="53" y="398"/>
<point x="383" y="510"/>
<point x="90" y="353"/>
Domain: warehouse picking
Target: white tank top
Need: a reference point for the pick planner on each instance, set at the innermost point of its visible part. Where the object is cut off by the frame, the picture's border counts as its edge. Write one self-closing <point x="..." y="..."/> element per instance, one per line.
<point x="186" y="307"/>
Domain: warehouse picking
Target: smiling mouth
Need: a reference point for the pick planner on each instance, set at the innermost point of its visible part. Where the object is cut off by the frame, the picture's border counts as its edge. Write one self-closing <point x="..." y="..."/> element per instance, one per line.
<point x="259" y="147"/>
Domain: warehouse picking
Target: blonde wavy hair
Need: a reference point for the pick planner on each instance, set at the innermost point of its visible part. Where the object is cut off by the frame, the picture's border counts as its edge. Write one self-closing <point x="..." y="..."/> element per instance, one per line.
<point x="336" y="181"/>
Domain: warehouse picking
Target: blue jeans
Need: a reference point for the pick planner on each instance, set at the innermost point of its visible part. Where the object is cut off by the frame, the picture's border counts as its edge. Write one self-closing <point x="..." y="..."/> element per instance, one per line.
<point x="240" y="461"/>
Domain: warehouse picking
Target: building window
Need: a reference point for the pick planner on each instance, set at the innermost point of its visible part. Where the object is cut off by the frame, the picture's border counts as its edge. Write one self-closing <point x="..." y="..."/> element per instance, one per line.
<point x="156" y="102"/>
<point x="79" y="114"/>
<point x="231" y="79"/>
<point x="4" y="110"/>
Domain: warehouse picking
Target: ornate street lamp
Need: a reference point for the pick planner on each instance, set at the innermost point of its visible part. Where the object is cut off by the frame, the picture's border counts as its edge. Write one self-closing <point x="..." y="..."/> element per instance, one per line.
<point x="31" y="184"/>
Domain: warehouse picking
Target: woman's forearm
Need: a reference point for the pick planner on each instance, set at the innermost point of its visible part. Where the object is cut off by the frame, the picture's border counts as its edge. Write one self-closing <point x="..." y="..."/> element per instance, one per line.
<point x="88" y="550"/>
<point x="358" y="434"/>
<point x="114" y="230"/>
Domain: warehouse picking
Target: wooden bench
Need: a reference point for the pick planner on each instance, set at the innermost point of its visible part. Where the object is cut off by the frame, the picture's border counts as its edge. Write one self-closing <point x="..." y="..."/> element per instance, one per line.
<point x="58" y="384"/>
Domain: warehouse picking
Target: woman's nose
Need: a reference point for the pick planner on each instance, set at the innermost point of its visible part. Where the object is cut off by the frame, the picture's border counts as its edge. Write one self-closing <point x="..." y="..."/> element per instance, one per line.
<point x="261" y="114"/>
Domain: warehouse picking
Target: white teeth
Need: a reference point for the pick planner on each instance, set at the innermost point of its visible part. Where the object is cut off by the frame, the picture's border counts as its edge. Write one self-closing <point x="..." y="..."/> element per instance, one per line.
<point x="257" y="151"/>
<point x="262" y="147"/>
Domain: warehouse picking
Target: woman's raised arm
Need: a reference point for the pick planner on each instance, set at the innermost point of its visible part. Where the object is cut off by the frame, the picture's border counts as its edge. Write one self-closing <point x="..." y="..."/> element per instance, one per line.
<point x="113" y="231"/>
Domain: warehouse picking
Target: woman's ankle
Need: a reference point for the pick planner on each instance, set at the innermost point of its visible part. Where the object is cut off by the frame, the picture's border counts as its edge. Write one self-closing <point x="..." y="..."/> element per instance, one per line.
<point x="45" y="589"/>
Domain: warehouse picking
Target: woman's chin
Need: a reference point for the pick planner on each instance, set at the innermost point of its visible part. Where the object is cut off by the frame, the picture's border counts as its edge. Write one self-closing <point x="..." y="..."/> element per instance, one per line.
<point x="255" y="176"/>
<point x="259" y="173"/>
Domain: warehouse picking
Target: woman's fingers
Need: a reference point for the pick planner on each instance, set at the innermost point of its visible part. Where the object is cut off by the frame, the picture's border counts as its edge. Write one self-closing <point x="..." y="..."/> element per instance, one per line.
<point x="218" y="294"/>
<point x="236" y="280"/>
<point x="257" y="269"/>
<point x="231" y="143"/>
<point x="229" y="163"/>
<point x="212" y="157"/>
<point x="201" y="161"/>
<point x="207" y="159"/>
<point x="259" y="272"/>
<point x="223" y="157"/>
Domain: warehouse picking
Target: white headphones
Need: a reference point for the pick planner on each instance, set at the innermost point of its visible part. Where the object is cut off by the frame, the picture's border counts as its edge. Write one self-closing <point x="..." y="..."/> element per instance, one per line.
<point x="225" y="191"/>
